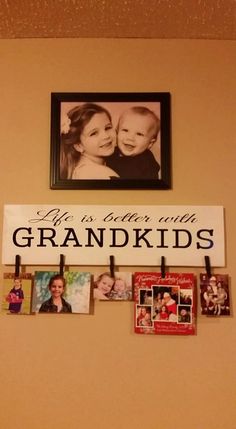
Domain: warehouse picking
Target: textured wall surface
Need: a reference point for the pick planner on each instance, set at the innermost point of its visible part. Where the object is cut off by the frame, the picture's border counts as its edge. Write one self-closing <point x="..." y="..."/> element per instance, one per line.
<point x="92" y="371"/>
<point x="178" y="19"/>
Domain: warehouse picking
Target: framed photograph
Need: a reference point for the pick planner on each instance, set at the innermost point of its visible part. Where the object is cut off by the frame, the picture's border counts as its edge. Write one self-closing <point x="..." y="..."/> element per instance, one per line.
<point x="110" y="141"/>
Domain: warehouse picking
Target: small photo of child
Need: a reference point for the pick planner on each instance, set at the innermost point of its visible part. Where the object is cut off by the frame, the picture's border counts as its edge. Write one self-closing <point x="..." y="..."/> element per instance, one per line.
<point x="117" y="288"/>
<point x="214" y="295"/>
<point x="184" y="314"/>
<point x="164" y="314"/>
<point x="17" y="292"/>
<point x="145" y="296"/>
<point x="144" y="316"/>
<point x="186" y="296"/>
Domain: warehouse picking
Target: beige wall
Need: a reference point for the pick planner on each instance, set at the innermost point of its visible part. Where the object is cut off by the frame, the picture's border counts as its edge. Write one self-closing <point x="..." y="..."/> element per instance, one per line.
<point x="93" y="371"/>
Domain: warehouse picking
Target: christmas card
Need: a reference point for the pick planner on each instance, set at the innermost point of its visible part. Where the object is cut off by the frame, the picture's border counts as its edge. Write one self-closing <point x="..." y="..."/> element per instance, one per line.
<point x="164" y="305"/>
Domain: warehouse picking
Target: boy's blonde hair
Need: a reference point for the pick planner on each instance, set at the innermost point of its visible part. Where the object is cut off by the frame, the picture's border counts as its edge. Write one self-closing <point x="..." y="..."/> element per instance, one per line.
<point x="144" y="111"/>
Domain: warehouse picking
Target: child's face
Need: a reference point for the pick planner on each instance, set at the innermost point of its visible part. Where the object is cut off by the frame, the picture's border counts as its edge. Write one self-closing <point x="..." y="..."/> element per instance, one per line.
<point x="212" y="281"/>
<point x="17" y="283"/>
<point x="105" y="284"/>
<point x="135" y="133"/>
<point x="57" y="288"/>
<point x="119" y="286"/>
<point x="98" y="138"/>
<point x="143" y="311"/>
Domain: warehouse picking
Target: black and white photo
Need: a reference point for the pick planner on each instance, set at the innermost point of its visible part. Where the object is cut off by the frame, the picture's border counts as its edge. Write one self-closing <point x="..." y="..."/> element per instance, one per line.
<point x="110" y="141"/>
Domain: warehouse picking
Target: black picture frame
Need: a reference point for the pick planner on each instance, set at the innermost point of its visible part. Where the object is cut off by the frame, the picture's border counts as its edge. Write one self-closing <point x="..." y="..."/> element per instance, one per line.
<point x="113" y="102"/>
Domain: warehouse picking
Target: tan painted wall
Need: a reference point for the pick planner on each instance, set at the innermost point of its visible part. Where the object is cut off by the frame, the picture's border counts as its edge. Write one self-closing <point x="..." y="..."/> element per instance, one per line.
<point x="93" y="371"/>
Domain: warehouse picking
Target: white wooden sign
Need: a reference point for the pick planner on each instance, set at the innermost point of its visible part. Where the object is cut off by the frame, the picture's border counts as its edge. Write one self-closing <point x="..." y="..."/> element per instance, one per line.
<point x="134" y="235"/>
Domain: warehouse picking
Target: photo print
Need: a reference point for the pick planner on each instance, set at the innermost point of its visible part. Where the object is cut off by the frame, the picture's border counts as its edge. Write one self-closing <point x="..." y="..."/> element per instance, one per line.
<point x="145" y="297"/>
<point x="112" y="288"/>
<point x="165" y="303"/>
<point x="53" y="293"/>
<point x="110" y="141"/>
<point x="214" y="295"/>
<point x="17" y="293"/>
<point x="184" y="314"/>
<point x="144" y="316"/>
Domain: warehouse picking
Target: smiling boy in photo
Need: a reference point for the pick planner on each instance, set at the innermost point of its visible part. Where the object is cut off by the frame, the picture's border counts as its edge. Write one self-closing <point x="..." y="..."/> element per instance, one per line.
<point x="137" y="131"/>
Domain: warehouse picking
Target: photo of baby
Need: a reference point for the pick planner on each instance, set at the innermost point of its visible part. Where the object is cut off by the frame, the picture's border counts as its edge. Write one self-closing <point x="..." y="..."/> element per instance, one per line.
<point x="109" y="288"/>
<point x="137" y="131"/>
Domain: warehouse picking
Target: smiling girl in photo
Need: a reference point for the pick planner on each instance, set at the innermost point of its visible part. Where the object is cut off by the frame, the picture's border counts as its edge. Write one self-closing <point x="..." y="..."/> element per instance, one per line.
<point x="87" y="139"/>
<point x="103" y="286"/>
<point x="56" y="303"/>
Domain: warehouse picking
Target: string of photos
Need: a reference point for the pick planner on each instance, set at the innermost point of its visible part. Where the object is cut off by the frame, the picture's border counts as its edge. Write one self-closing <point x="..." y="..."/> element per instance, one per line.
<point x="164" y="302"/>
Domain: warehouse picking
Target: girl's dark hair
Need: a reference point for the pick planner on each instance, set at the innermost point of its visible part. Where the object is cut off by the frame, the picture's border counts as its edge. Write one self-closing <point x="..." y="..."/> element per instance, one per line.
<point x="56" y="277"/>
<point x="166" y="308"/>
<point x="79" y="117"/>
